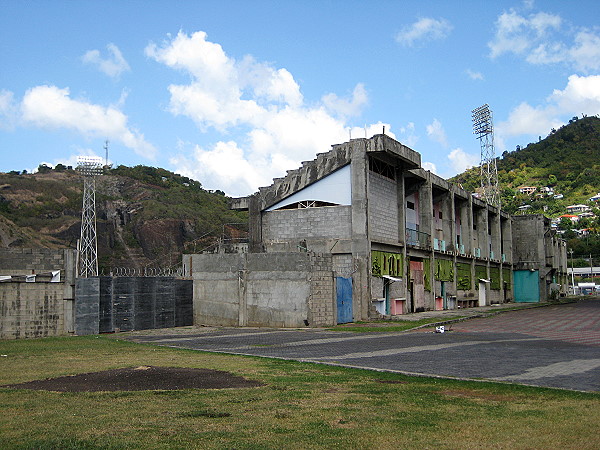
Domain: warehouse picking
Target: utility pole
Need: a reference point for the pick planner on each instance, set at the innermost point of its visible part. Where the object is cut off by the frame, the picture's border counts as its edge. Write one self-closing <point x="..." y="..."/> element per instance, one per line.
<point x="572" y="272"/>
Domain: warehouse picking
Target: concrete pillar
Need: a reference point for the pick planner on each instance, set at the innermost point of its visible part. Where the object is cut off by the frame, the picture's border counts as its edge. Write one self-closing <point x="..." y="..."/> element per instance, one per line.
<point x="467" y="227"/>
<point x="506" y="230"/>
<point x="496" y="235"/>
<point x="401" y="200"/>
<point x="255" y="244"/>
<point x="452" y="243"/>
<point x="426" y="209"/>
<point x="361" y="247"/>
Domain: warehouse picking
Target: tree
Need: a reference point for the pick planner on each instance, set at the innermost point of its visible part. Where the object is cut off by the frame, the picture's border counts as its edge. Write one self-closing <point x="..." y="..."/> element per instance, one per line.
<point x="565" y="224"/>
<point x="43" y="168"/>
<point x="552" y="180"/>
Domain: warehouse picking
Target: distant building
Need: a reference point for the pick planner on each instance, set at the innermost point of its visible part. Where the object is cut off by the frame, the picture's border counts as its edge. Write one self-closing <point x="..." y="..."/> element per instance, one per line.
<point x="577" y="209"/>
<point x="527" y="189"/>
<point x="573" y="217"/>
<point x="595" y="198"/>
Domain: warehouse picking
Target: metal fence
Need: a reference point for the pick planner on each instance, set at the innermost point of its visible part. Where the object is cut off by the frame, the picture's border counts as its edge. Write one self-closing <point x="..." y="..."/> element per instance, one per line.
<point x="417" y="238"/>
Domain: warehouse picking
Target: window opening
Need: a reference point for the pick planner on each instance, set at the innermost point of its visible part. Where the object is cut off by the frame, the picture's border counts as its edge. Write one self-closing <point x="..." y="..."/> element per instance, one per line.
<point x="382" y="168"/>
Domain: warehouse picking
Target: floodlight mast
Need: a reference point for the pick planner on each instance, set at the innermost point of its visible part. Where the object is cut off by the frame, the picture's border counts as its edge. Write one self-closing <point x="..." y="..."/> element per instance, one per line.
<point x="483" y="128"/>
<point x="89" y="168"/>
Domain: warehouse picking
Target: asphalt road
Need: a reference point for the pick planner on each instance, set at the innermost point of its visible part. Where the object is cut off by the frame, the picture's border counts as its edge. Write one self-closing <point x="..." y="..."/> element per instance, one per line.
<point x="553" y="346"/>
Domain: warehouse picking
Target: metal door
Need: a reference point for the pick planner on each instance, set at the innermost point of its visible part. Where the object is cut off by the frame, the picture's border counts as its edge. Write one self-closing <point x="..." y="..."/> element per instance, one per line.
<point x="527" y="286"/>
<point x="418" y="287"/>
<point x="344" y="299"/>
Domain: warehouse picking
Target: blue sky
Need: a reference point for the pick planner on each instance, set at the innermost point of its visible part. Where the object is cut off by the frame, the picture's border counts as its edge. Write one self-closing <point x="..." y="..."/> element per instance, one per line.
<point x="234" y="93"/>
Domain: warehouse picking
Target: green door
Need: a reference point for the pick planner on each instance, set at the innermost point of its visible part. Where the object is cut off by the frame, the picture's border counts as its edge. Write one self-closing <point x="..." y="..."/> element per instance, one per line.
<point x="526" y="286"/>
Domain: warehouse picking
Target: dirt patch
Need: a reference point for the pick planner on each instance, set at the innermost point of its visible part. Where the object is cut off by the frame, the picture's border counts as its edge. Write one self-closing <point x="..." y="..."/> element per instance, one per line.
<point x="142" y="378"/>
<point x="477" y="395"/>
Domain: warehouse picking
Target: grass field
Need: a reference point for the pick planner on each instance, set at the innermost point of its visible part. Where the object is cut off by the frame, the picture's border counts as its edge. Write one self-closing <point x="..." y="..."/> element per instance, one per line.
<point x="300" y="406"/>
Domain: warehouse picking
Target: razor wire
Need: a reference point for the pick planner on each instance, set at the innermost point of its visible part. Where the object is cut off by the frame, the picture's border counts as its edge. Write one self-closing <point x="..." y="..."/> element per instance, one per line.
<point x="122" y="271"/>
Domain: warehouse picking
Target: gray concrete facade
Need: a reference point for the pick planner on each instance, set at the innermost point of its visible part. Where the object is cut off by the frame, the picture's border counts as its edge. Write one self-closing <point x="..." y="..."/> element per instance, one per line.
<point x="409" y="240"/>
<point x="257" y="289"/>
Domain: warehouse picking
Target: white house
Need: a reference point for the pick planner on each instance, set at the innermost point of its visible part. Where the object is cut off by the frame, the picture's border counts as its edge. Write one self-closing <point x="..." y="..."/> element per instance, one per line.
<point x="577" y="209"/>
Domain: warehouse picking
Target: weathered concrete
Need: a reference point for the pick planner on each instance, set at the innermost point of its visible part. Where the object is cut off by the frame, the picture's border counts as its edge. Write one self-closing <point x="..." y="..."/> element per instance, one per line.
<point x="40" y="308"/>
<point x="268" y="289"/>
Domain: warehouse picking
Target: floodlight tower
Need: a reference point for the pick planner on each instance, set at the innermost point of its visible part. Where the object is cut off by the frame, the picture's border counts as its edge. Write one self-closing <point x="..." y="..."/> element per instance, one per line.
<point x="483" y="128"/>
<point x="89" y="167"/>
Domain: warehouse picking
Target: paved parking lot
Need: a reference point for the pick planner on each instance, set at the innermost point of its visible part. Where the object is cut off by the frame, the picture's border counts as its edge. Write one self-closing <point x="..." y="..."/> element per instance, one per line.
<point x="554" y="346"/>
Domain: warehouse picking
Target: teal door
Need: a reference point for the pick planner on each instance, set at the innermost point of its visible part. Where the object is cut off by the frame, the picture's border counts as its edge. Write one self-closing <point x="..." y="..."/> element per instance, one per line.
<point x="527" y="286"/>
<point x="344" y="299"/>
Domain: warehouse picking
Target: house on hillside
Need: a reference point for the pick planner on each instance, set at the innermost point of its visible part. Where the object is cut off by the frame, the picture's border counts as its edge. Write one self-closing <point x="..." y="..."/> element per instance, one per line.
<point x="360" y="232"/>
<point x="595" y="198"/>
<point x="527" y="189"/>
<point x="574" y="209"/>
<point x="573" y="217"/>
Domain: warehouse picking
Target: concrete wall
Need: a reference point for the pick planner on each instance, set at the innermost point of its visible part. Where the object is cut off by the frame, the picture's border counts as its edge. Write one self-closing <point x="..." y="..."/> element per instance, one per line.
<point x="41" y="308"/>
<point x="383" y="209"/>
<point x="109" y="304"/>
<point x="296" y="225"/>
<point x="31" y="310"/>
<point x="265" y="289"/>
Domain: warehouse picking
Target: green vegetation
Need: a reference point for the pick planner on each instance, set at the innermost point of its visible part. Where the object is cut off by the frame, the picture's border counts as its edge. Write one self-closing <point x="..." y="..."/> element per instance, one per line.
<point x="150" y="213"/>
<point x="568" y="161"/>
<point x="300" y="406"/>
<point x="389" y="326"/>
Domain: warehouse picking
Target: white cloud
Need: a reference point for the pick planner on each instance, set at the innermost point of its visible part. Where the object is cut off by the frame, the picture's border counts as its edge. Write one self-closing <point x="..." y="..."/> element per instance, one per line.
<point x="540" y="39"/>
<point x="430" y="166"/>
<point x="474" y="75"/>
<point x="8" y="110"/>
<point x="261" y="105"/>
<point x="461" y="161"/>
<point x="51" y="107"/>
<point x="347" y="107"/>
<point x="425" y="29"/>
<point x="436" y="132"/>
<point x="113" y="65"/>
<point x="580" y="96"/>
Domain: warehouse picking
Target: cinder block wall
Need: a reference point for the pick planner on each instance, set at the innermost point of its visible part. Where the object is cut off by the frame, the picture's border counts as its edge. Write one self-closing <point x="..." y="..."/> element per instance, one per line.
<point x="383" y="209"/>
<point x="307" y="223"/>
<point x="32" y="260"/>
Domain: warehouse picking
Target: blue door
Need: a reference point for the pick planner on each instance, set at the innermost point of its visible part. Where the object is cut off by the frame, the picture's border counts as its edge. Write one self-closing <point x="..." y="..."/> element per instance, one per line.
<point x="527" y="286"/>
<point x="344" y="299"/>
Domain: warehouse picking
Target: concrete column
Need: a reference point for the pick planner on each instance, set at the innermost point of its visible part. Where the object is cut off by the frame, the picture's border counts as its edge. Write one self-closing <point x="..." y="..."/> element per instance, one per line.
<point x="506" y="230"/>
<point x="426" y="210"/>
<point x="361" y="246"/>
<point x="496" y="236"/>
<point x="447" y="211"/>
<point x="467" y="225"/>
<point x="452" y="242"/>
<point x="254" y="225"/>
<point x="401" y="201"/>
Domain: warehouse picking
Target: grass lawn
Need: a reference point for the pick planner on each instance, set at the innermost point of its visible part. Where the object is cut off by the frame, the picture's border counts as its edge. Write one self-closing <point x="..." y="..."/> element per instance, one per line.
<point x="300" y="406"/>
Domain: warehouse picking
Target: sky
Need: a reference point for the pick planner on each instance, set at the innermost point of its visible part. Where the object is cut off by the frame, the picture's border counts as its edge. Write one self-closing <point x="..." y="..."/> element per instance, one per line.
<point x="235" y="93"/>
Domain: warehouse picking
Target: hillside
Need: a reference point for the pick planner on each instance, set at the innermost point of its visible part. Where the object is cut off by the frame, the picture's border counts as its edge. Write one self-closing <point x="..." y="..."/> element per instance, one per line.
<point x="145" y="216"/>
<point x="567" y="160"/>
